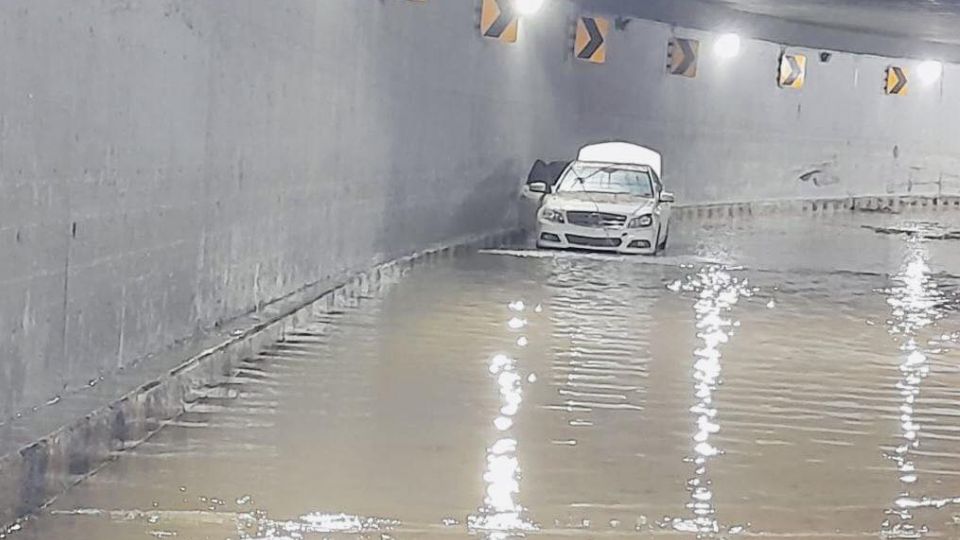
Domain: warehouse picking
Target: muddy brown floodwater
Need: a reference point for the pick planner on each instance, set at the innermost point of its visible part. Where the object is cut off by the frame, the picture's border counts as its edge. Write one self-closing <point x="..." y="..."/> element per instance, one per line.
<point x="778" y="378"/>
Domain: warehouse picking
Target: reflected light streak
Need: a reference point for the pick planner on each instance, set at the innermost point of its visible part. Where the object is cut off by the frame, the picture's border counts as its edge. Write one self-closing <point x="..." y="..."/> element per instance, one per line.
<point x="914" y="301"/>
<point x="718" y="292"/>
<point x="501" y="515"/>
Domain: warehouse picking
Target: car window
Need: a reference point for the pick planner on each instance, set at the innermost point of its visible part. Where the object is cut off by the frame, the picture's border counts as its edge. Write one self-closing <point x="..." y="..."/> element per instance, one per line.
<point x="546" y="172"/>
<point x="607" y="179"/>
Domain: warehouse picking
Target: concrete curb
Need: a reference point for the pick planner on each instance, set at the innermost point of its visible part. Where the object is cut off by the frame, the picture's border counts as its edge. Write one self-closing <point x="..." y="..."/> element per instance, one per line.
<point x="881" y="204"/>
<point x="34" y="476"/>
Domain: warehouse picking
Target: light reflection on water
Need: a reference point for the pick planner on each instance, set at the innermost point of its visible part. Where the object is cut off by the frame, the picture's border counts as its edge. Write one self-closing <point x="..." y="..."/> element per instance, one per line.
<point x="257" y="526"/>
<point x="915" y="301"/>
<point x="502" y="516"/>
<point x="453" y="409"/>
<point x="717" y="292"/>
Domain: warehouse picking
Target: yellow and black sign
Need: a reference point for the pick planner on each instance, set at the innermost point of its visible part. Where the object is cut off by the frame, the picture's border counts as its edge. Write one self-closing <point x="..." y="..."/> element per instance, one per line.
<point x="499" y="21"/>
<point x="896" y="81"/>
<point x="591" y="41"/>
<point x="682" y="57"/>
<point x="793" y="70"/>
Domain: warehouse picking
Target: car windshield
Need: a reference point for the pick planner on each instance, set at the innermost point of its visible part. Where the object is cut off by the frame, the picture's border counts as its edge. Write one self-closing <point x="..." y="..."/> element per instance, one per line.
<point x="607" y="179"/>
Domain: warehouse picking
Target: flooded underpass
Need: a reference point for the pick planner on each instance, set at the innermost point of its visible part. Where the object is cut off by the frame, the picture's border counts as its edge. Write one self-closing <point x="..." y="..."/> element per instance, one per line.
<point x="773" y="377"/>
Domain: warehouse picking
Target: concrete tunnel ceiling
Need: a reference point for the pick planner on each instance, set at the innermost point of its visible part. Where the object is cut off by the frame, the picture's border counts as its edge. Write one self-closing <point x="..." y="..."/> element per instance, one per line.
<point x="928" y="20"/>
<point x="909" y="28"/>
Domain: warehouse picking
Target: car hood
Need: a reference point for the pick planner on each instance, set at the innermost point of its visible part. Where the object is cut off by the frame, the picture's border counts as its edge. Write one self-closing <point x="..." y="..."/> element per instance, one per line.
<point x="600" y="202"/>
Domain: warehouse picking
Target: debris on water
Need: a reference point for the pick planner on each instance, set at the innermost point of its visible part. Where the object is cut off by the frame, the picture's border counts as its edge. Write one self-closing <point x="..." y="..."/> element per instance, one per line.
<point x="771" y="304"/>
<point x="675" y="286"/>
<point x="737" y="529"/>
<point x="878" y="210"/>
<point x="926" y="231"/>
<point x="614" y="523"/>
<point x="183" y="489"/>
<point x="244" y="499"/>
<point x="517" y="323"/>
<point x="538" y="309"/>
<point x="522" y="341"/>
<point x="569" y="442"/>
<point x="517" y="306"/>
<point x="79" y="512"/>
<point x="532" y="378"/>
<point x="153" y="518"/>
<point x="317" y="523"/>
<point x="449" y="522"/>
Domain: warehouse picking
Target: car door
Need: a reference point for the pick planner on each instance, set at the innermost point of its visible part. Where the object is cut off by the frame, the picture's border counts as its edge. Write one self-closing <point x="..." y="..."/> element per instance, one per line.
<point x="664" y="210"/>
<point x="546" y="172"/>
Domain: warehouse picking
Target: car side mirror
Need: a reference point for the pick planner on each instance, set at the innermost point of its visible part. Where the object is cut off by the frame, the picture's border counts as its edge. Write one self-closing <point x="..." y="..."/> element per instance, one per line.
<point x="667" y="197"/>
<point x="537" y="187"/>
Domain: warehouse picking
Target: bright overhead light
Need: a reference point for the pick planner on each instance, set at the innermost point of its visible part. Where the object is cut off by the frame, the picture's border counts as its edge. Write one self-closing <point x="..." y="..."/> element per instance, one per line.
<point x="527" y="7"/>
<point x="930" y="71"/>
<point x="727" y="46"/>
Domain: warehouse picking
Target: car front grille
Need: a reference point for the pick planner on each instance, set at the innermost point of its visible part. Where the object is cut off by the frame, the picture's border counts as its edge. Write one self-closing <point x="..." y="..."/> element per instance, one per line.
<point x="596" y="219"/>
<point x="593" y="242"/>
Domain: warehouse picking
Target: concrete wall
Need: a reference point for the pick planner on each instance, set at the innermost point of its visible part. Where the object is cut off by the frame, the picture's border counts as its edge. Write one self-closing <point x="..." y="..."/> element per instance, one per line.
<point x="168" y="164"/>
<point x="733" y="134"/>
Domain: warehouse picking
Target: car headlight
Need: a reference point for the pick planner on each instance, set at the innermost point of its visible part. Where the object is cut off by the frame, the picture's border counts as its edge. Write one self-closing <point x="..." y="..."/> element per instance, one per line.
<point x="555" y="216"/>
<point x="640" y="222"/>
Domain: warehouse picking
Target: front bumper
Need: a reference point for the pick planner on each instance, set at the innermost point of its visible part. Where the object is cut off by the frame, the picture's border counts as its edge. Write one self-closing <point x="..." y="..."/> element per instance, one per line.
<point x="627" y="241"/>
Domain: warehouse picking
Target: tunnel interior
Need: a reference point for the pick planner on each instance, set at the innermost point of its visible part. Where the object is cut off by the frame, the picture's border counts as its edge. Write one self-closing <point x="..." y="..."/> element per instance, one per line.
<point x="270" y="268"/>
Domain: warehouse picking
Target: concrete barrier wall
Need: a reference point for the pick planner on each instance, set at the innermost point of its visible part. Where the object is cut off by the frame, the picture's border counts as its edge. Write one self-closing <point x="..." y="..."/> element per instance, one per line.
<point x="169" y="165"/>
<point x="166" y="165"/>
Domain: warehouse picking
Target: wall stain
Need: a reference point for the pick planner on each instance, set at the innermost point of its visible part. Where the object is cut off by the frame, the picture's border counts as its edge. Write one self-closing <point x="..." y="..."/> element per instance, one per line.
<point x="819" y="178"/>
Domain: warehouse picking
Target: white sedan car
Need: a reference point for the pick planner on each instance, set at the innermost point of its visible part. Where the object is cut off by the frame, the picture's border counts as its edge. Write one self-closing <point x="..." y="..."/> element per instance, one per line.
<point x="609" y="199"/>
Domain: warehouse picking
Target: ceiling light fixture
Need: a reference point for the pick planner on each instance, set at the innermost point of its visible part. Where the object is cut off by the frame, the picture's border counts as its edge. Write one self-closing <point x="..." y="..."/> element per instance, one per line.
<point x="527" y="7"/>
<point x="727" y="46"/>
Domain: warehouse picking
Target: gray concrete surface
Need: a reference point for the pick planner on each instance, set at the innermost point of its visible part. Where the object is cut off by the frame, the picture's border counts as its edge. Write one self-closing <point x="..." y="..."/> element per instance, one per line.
<point x="166" y="166"/>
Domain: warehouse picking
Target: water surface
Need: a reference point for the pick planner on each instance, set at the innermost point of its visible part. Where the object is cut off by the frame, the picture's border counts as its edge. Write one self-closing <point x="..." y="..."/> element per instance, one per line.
<point x="778" y="378"/>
